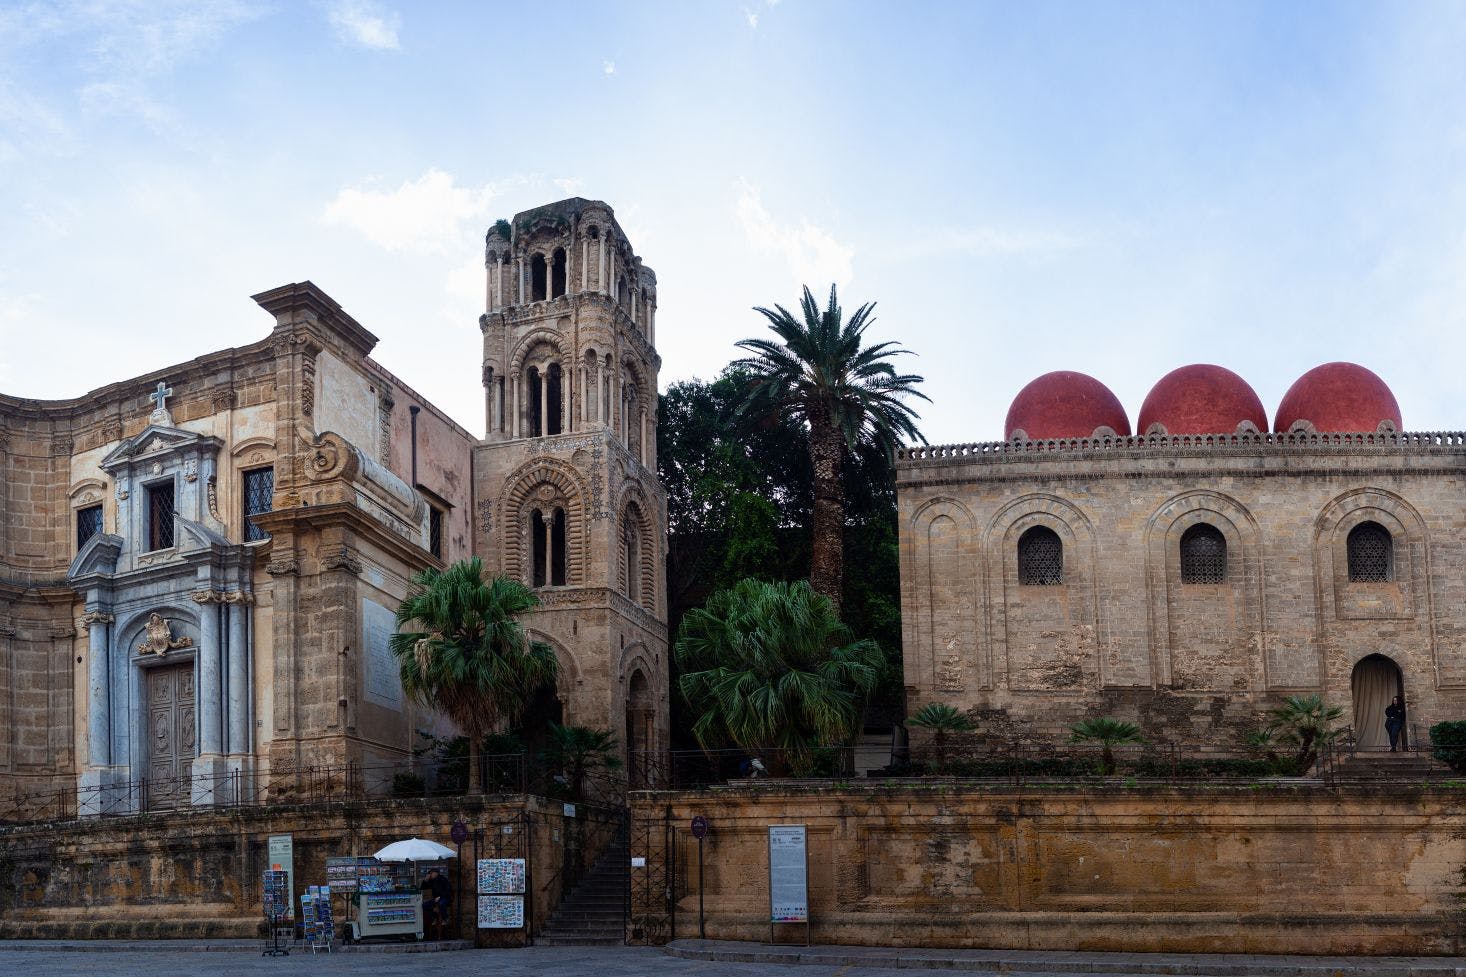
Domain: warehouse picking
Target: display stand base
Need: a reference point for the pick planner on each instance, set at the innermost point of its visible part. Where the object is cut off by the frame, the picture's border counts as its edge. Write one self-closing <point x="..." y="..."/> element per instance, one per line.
<point x="280" y="939"/>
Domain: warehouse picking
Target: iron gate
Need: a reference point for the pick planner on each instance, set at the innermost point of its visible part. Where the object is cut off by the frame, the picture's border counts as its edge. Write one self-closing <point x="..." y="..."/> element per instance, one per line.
<point x="651" y="897"/>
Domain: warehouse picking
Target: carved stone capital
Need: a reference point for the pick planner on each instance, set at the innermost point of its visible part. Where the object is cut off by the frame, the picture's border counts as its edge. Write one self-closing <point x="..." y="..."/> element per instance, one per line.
<point x="86" y="621"/>
<point x="205" y="597"/>
<point x="283" y="567"/>
<point x="237" y="597"/>
<point x="344" y="560"/>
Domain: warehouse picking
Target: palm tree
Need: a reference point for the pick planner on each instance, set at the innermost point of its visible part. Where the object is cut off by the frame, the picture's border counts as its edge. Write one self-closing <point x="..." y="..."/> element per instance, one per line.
<point x="769" y="666"/>
<point x="1111" y="733"/>
<point x="462" y="651"/>
<point x="941" y="720"/>
<point x="579" y="751"/>
<point x="817" y="374"/>
<point x="1307" y="722"/>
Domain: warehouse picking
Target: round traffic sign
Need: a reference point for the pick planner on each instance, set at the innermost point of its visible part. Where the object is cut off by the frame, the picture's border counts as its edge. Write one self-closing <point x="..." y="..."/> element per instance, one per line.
<point x="699" y="827"/>
<point x="459" y="832"/>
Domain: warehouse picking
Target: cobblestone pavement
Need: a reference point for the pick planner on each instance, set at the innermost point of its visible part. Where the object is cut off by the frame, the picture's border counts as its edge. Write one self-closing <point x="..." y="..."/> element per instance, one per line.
<point x="55" y="961"/>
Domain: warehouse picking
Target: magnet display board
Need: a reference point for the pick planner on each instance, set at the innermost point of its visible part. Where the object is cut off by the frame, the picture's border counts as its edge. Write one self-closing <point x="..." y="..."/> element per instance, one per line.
<point x="788" y="874"/>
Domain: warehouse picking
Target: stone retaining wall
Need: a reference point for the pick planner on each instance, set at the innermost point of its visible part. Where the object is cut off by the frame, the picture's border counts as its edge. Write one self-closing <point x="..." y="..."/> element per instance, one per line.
<point x="196" y="874"/>
<point x="1254" y="870"/>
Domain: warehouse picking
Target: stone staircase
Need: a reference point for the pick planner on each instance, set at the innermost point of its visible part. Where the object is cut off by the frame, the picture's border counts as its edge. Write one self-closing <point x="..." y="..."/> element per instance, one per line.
<point x="1384" y="767"/>
<point x="593" y="914"/>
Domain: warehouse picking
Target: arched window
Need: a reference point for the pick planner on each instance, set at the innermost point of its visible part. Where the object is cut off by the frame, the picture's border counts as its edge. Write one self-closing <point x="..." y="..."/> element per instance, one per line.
<point x="633" y="542"/>
<point x="1203" y="555"/>
<point x="557" y="273"/>
<point x="538" y="278"/>
<point x="1040" y="558"/>
<point x="1371" y="554"/>
<point x="554" y="413"/>
<point x="534" y="407"/>
<point x="547" y="548"/>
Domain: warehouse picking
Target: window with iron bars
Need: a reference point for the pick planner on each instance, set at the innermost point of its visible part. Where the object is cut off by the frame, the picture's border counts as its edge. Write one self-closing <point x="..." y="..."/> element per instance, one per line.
<point x="88" y="524"/>
<point x="160" y="516"/>
<point x="1040" y="558"/>
<point x="1203" y="555"/>
<point x="259" y="494"/>
<point x="1371" y="554"/>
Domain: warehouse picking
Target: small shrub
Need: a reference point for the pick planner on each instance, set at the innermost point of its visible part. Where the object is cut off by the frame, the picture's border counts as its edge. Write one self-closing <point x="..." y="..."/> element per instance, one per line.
<point x="1448" y="744"/>
<point x="407" y="785"/>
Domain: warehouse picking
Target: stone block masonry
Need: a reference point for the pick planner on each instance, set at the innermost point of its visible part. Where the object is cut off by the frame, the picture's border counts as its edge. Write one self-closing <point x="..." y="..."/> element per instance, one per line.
<point x="1245" y="870"/>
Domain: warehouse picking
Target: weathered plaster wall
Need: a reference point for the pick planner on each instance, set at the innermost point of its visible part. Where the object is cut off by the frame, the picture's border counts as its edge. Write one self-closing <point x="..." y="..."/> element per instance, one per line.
<point x="1244" y="870"/>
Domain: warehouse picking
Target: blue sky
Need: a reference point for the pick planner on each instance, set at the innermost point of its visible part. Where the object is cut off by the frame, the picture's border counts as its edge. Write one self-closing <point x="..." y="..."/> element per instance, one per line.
<point x="1115" y="188"/>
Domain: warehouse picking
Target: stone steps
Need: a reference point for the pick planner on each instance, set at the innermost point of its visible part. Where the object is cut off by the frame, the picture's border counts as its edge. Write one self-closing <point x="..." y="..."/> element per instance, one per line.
<point x="594" y="913"/>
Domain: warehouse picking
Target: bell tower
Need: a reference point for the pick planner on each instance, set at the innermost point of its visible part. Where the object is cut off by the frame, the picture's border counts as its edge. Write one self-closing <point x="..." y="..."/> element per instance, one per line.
<point x="566" y="477"/>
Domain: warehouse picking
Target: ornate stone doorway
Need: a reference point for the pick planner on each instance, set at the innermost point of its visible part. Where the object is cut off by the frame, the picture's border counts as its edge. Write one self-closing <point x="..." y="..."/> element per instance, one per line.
<point x="172" y="743"/>
<point x="1377" y="679"/>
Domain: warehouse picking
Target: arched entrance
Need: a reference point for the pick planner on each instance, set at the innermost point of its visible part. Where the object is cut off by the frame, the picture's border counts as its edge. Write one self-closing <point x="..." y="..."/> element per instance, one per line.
<point x="640" y="732"/>
<point x="1377" y="680"/>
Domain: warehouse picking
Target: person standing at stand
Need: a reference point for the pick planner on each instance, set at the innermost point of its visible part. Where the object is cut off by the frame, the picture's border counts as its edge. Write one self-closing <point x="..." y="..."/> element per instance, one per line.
<point x="439" y="897"/>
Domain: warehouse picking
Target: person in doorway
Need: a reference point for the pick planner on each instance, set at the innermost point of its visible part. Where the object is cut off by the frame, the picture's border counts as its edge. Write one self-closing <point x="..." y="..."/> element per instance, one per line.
<point x="1395" y="721"/>
<point x="439" y="896"/>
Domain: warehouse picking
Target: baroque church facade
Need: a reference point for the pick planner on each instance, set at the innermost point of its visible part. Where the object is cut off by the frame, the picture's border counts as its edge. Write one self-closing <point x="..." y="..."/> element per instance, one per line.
<point x="200" y="567"/>
<point x="1189" y="576"/>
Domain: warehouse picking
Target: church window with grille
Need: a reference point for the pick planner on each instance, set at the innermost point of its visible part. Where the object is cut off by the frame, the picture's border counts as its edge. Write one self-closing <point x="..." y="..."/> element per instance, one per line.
<point x="1203" y="555"/>
<point x="1040" y="558"/>
<point x="88" y="524"/>
<point x="435" y="531"/>
<point x="1371" y="554"/>
<point x="160" y="516"/>
<point x="259" y="495"/>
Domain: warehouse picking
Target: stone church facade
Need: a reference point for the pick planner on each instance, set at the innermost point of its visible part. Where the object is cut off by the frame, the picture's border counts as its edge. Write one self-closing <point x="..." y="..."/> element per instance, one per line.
<point x="1188" y="577"/>
<point x="200" y="567"/>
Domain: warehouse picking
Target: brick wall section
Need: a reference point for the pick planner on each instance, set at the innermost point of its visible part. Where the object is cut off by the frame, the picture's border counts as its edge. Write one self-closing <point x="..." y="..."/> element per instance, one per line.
<point x="1197" y="664"/>
<point x="1252" y="870"/>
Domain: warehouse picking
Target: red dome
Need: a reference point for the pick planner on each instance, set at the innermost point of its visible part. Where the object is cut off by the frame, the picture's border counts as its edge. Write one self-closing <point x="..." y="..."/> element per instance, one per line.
<point x="1201" y="399"/>
<point x="1338" y="397"/>
<point x="1064" y="404"/>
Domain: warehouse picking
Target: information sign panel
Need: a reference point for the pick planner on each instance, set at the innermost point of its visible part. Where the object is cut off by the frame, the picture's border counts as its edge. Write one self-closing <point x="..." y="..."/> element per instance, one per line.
<point x="788" y="874"/>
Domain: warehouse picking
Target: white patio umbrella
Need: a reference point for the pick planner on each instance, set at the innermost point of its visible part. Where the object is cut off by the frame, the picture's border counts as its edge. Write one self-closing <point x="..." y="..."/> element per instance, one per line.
<point x="414" y="850"/>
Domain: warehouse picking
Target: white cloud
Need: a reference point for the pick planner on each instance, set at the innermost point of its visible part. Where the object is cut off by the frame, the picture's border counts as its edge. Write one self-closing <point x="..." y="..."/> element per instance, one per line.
<point x="752" y="17"/>
<point x="812" y="253"/>
<point x="365" y="23"/>
<point x="425" y="216"/>
<point x="609" y="67"/>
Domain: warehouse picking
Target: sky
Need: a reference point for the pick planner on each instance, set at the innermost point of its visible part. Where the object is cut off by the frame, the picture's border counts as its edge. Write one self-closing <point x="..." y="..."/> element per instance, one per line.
<point x="1114" y="188"/>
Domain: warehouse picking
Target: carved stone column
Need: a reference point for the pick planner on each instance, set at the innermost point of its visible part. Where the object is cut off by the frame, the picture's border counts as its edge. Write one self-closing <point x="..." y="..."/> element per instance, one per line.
<point x="211" y="687"/>
<point x="236" y="603"/>
<point x="99" y="689"/>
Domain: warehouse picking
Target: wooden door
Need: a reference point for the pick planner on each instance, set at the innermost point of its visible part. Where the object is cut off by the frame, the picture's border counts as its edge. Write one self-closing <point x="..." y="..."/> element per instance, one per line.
<point x="171" y="740"/>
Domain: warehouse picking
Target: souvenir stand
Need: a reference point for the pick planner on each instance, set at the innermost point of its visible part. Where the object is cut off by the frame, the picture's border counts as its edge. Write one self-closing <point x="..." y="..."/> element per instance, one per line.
<point x="277" y="914"/>
<point x="501" y="893"/>
<point x="383" y="901"/>
<point x="317" y="919"/>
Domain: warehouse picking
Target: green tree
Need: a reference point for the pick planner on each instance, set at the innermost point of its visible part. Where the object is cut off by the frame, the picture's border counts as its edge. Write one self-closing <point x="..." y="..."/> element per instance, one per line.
<point x="941" y="719"/>
<point x="819" y="374"/>
<point x="462" y="651"/>
<point x="578" y="752"/>
<point x="1110" y="733"/>
<point x="1307" y="722"/>
<point x="769" y="666"/>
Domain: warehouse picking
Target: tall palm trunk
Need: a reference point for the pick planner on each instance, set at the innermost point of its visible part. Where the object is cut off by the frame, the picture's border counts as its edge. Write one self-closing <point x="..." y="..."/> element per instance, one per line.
<point x="475" y="775"/>
<point x="827" y="550"/>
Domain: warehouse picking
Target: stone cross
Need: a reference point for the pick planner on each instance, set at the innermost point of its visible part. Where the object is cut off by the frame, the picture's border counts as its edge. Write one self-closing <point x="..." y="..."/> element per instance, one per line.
<point x="160" y="414"/>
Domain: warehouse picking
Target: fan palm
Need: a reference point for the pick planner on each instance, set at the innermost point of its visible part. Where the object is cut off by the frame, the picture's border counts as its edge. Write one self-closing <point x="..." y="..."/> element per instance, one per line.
<point x="769" y="666"/>
<point x="462" y="651"/>
<point x="1307" y="722"/>
<point x="1110" y="733"/>
<point x="941" y="720"/>
<point x="579" y="751"/>
<point x="847" y="395"/>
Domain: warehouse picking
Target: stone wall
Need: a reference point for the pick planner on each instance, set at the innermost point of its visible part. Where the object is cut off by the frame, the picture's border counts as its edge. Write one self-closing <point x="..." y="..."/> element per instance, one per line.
<point x="198" y="874"/>
<point x="1123" y="635"/>
<point x="1264" y="870"/>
